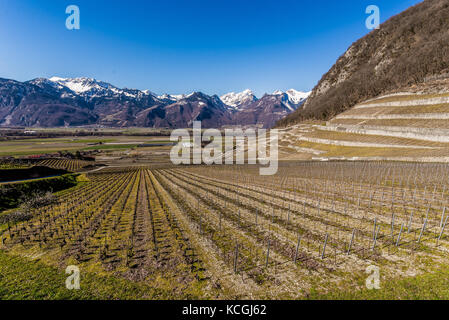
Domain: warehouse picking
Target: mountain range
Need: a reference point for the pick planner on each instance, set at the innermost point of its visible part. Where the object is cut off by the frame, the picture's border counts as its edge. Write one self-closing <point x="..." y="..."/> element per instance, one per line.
<point x="64" y="102"/>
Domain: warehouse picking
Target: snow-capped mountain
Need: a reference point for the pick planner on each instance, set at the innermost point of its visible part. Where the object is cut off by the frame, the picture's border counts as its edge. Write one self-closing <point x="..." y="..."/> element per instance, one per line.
<point x="267" y="110"/>
<point x="52" y="87"/>
<point x="91" y="88"/>
<point x="174" y="97"/>
<point x="81" y="85"/>
<point x="43" y="82"/>
<point x="238" y="100"/>
<point x="60" y="101"/>
<point x="292" y="98"/>
<point x="297" y="97"/>
<point x="197" y="106"/>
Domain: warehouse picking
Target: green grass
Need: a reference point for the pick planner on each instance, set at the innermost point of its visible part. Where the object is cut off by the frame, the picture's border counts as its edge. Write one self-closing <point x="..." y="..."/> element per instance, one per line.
<point x="157" y="141"/>
<point x="14" y="166"/>
<point x="59" y="140"/>
<point x="21" y="279"/>
<point x="71" y="149"/>
<point x="12" y="153"/>
<point x="24" y="147"/>
<point x="91" y="141"/>
<point x="112" y="147"/>
<point x="428" y="286"/>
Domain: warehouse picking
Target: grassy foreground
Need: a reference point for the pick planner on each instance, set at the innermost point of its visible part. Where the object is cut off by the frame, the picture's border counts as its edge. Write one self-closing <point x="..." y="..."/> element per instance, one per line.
<point x="34" y="280"/>
<point x="428" y="286"/>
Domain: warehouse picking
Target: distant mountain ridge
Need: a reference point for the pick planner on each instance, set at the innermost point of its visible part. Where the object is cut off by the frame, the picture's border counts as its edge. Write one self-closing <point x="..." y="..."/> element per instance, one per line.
<point x="239" y="100"/>
<point x="59" y="102"/>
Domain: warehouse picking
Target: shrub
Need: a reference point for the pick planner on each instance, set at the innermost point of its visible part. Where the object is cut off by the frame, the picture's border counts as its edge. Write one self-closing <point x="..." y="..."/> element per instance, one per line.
<point x="15" y="217"/>
<point x="39" y="199"/>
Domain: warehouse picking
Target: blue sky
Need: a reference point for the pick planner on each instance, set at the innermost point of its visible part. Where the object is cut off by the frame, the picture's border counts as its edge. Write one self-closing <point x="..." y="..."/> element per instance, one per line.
<point x="180" y="46"/>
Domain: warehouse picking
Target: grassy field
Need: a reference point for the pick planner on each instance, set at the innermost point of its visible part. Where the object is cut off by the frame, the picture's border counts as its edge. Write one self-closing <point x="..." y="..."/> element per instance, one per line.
<point x="39" y="146"/>
<point x="22" y="279"/>
<point x="428" y="286"/>
<point x="130" y="131"/>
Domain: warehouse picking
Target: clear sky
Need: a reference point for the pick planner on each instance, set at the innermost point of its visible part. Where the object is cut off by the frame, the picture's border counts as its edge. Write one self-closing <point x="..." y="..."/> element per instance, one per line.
<point x="180" y="46"/>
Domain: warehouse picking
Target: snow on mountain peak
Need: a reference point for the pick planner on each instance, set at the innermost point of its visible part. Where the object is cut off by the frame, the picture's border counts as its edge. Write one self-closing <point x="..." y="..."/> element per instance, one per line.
<point x="82" y="85"/>
<point x="44" y="81"/>
<point x="90" y="88"/>
<point x="57" y="79"/>
<point x="174" y="97"/>
<point x="149" y="93"/>
<point x="297" y="96"/>
<point x="294" y="96"/>
<point x="233" y="99"/>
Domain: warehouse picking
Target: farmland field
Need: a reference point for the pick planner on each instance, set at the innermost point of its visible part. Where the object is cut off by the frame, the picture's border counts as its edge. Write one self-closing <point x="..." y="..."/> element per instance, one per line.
<point x="31" y="146"/>
<point x="225" y="232"/>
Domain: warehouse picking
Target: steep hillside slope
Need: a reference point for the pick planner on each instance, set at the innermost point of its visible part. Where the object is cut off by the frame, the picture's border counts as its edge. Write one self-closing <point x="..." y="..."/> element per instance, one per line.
<point x="407" y="49"/>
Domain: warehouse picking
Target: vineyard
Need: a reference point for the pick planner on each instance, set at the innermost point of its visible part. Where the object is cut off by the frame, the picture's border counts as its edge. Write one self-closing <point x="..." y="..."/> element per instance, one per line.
<point x="396" y="127"/>
<point x="66" y="164"/>
<point x="227" y="232"/>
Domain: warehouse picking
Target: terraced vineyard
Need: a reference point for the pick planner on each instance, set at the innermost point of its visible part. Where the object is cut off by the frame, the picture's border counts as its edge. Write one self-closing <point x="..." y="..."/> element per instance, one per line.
<point x="226" y="232"/>
<point x="401" y="126"/>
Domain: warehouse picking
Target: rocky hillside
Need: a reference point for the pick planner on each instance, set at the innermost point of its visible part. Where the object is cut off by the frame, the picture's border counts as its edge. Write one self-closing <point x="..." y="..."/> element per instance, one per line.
<point x="408" y="49"/>
<point x="57" y="102"/>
